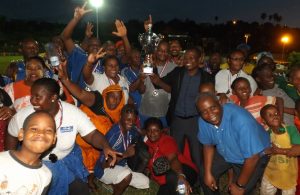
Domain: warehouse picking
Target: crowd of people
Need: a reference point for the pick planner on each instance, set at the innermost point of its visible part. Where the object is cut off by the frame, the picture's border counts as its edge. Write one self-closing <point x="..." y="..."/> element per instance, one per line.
<point x="98" y="118"/>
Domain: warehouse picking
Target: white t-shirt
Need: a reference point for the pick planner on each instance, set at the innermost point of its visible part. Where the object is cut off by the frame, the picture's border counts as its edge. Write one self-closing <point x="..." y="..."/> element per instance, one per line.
<point x="21" y="179"/>
<point x="69" y="121"/>
<point x="101" y="81"/>
<point x="224" y="79"/>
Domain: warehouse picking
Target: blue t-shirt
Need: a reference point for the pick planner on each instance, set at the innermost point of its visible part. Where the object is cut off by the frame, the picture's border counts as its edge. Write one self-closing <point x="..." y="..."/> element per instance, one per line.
<point x="119" y="143"/>
<point x="238" y="137"/>
<point x="132" y="76"/>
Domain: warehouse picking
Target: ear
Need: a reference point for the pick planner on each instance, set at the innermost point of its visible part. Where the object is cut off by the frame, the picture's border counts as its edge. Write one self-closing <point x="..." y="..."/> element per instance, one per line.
<point x="54" y="98"/>
<point x="54" y="140"/>
<point x="21" y="134"/>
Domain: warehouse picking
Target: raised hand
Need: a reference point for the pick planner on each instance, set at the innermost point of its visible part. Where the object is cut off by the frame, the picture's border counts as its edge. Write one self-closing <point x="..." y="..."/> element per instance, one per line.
<point x="81" y="11"/>
<point x="147" y="23"/>
<point x="95" y="56"/>
<point x="89" y="30"/>
<point x="121" y="29"/>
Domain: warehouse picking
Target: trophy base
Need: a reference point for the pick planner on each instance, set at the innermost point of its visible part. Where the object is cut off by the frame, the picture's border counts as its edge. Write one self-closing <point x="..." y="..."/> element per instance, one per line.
<point x="148" y="70"/>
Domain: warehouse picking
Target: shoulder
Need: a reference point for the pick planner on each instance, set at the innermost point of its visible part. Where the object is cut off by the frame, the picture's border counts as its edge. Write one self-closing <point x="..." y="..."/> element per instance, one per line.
<point x="222" y="73"/>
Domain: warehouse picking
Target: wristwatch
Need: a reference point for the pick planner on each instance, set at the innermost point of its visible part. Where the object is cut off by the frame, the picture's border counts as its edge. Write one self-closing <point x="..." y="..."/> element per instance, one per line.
<point x="240" y="186"/>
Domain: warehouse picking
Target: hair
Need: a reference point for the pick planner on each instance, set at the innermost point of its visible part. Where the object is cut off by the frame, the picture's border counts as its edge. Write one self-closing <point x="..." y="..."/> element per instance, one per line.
<point x="235" y="82"/>
<point x="235" y="51"/>
<point x="197" y="50"/>
<point x="37" y="58"/>
<point x="128" y="109"/>
<point x="49" y="84"/>
<point x="26" y="40"/>
<point x="265" y="108"/>
<point x="110" y="57"/>
<point x="175" y="41"/>
<point x="205" y="95"/>
<point x="207" y="84"/>
<point x="32" y="115"/>
<point x="153" y="121"/>
<point x="258" y="69"/>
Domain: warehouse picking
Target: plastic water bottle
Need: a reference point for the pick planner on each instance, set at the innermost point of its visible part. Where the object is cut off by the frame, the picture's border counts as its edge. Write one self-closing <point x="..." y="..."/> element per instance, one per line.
<point x="181" y="188"/>
<point x="52" y="54"/>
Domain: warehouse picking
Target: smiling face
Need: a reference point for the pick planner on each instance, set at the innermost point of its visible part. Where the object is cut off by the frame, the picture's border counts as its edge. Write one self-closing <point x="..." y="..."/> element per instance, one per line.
<point x="191" y="60"/>
<point x="34" y="70"/>
<point x="266" y="79"/>
<point x="41" y="99"/>
<point x="242" y="90"/>
<point x="39" y="134"/>
<point x="175" y="48"/>
<point x="153" y="132"/>
<point x="210" y="110"/>
<point x="127" y="121"/>
<point x="236" y="61"/>
<point x="111" y="68"/>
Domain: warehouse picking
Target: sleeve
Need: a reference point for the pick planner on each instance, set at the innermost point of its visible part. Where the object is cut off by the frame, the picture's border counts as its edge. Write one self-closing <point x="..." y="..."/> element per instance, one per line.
<point x="250" y="135"/>
<point x="84" y="124"/>
<point x="14" y="126"/>
<point x="9" y="90"/>
<point x="221" y="83"/>
<point x="294" y="134"/>
<point x="203" y="135"/>
<point x="45" y="191"/>
<point x="97" y="84"/>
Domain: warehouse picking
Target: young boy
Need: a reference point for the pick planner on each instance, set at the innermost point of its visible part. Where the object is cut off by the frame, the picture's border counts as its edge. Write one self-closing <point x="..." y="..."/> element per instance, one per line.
<point x="282" y="169"/>
<point x="21" y="171"/>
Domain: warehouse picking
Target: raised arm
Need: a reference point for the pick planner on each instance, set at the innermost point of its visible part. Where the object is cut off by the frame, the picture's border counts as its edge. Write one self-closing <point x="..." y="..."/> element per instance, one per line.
<point x="122" y="33"/>
<point x="86" y="97"/>
<point x="88" y="34"/>
<point x="89" y="66"/>
<point x="68" y="31"/>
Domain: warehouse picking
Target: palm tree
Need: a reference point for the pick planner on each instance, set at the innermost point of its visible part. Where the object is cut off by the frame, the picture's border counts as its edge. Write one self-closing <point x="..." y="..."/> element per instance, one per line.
<point x="216" y="18"/>
<point x="270" y="17"/>
<point x="263" y="16"/>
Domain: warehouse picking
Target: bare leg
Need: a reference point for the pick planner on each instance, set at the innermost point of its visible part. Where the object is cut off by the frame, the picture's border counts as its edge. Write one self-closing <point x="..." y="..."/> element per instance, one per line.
<point x="121" y="187"/>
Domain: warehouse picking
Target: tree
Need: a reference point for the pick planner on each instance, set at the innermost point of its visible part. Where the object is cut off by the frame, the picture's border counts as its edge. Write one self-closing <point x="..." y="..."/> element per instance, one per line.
<point x="216" y="19"/>
<point x="263" y="16"/>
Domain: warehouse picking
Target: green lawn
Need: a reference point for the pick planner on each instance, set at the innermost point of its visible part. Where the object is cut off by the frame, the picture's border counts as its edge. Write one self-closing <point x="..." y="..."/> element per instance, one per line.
<point x="5" y="60"/>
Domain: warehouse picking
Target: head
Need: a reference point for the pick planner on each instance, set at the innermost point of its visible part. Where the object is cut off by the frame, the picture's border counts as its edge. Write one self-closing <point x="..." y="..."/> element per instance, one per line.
<point x="207" y="87"/>
<point x="215" y="59"/>
<point x="264" y="76"/>
<point x="29" y="48"/>
<point x="271" y="117"/>
<point x="93" y="45"/>
<point x="111" y="66"/>
<point x="58" y="42"/>
<point x="267" y="60"/>
<point x="120" y="48"/>
<point x="209" y="108"/>
<point x="236" y="60"/>
<point x="162" y="51"/>
<point x="113" y="96"/>
<point x="153" y="128"/>
<point x="244" y="48"/>
<point x="45" y="94"/>
<point x="135" y="58"/>
<point x="241" y="88"/>
<point x="12" y="70"/>
<point x="34" y="68"/>
<point x="175" y="48"/>
<point x="294" y="77"/>
<point x="110" y="48"/>
<point x="38" y="132"/>
<point x="191" y="59"/>
<point x="128" y="117"/>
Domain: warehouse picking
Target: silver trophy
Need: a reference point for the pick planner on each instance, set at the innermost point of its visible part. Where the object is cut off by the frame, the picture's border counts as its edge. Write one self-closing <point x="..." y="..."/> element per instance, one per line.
<point x="149" y="41"/>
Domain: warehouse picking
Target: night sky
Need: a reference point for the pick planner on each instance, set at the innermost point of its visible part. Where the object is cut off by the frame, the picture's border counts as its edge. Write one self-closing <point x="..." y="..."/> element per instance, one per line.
<point x="198" y="10"/>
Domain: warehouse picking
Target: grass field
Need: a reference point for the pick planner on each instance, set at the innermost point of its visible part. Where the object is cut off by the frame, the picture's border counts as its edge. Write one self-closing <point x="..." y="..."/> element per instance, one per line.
<point x="5" y="60"/>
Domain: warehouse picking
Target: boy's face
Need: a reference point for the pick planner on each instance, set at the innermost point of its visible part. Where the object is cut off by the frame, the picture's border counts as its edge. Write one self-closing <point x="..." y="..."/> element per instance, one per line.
<point x="242" y="90"/>
<point x="113" y="99"/>
<point x="266" y="78"/>
<point x="272" y="117"/>
<point x="128" y="120"/>
<point x="39" y="135"/>
<point x="295" y="80"/>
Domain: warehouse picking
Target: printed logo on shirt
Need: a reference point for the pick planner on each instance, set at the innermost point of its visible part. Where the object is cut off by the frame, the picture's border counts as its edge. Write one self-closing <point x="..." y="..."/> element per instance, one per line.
<point x="66" y="129"/>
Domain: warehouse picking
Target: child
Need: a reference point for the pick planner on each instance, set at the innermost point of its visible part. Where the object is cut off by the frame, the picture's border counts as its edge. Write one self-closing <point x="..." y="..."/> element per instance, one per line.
<point x="292" y="89"/>
<point x="21" y="171"/>
<point x="282" y="170"/>
<point x="242" y="96"/>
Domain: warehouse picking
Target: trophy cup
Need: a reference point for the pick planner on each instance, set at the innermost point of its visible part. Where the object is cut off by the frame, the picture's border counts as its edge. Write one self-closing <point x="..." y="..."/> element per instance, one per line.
<point x="149" y="42"/>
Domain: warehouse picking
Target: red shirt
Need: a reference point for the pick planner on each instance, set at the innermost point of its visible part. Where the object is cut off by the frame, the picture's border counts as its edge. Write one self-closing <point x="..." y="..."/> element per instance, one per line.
<point x="165" y="146"/>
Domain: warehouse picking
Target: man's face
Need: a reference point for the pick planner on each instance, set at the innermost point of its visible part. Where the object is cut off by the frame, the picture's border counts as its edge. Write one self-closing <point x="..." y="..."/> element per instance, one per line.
<point x="29" y="49"/>
<point x="175" y="48"/>
<point x="94" y="45"/>
<point x="191" y="60"/>
<point x="162" y="52"/>
<point x="266" y="78"/>
<point x="236" y="61"/>
<point x="210" y="110"/>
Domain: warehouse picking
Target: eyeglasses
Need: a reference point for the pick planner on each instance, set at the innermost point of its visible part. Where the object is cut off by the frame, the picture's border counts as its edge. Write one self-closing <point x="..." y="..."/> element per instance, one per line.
<point x="237" y="59"/>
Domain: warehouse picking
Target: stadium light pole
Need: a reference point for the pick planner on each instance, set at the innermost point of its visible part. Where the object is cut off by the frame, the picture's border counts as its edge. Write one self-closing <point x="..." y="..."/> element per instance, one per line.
<point x="97" y="4"/>
<point x="284" y="40"/>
